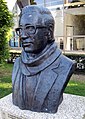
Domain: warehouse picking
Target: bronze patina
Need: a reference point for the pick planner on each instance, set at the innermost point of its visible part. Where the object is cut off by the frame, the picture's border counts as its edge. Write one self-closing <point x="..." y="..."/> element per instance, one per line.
<point x="41" y="73"/>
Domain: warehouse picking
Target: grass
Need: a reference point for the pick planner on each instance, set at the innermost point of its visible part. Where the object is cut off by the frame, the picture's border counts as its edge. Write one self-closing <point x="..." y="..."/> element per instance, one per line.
<point x="5" y="79"/>
<point x="75" y="86"/>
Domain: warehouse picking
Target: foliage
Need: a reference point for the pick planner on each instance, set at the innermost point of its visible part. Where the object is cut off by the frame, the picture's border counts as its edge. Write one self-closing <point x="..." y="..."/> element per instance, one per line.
<point x="32" y="2"/>
<point x="5" y="24"/>
<point x="75" y="1"/>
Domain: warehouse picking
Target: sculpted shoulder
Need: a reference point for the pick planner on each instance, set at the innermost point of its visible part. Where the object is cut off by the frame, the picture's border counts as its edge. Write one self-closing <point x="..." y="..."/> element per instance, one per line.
<point x="64" y="65"/>
<point x="68" y="64"/>
<point x="68" y="61"/>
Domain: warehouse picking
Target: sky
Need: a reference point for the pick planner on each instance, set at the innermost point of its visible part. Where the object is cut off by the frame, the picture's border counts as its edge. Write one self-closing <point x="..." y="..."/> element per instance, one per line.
<point x="10" y="4"/>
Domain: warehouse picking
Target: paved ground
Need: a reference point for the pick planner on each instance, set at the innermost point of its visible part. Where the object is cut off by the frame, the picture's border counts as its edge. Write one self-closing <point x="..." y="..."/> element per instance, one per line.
<point x="78" y="76"/>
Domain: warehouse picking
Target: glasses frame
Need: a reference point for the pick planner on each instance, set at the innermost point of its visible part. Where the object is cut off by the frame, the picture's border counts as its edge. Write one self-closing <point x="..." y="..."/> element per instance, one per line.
<point x="28" y="33"/>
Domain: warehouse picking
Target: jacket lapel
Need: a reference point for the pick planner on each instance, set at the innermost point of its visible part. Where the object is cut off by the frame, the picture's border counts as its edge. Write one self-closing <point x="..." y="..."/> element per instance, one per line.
<point x="46" y="80"/>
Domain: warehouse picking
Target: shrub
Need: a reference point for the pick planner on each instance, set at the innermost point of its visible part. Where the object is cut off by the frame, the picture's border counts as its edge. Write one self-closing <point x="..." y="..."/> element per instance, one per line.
<point x="6" y="23"/>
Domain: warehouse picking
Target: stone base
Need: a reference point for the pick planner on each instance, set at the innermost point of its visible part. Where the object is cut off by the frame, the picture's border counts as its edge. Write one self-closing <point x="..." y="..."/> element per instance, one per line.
<point x="72" y="107"/>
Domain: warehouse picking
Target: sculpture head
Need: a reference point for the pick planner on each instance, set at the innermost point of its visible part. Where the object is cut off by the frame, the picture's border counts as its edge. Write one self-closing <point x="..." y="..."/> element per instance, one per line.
<point x="36" y="28"/>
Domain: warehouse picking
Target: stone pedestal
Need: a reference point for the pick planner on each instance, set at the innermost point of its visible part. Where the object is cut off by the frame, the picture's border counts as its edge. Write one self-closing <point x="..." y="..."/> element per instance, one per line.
<point x="72" y="107"/>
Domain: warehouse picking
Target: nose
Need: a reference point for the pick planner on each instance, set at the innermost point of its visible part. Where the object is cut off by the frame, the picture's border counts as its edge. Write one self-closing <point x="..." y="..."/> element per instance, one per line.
<point x="24" y="36"/>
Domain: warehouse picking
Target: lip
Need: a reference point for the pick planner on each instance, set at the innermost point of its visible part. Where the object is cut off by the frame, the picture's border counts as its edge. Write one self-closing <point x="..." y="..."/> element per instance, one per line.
<point x="27" y="44"/>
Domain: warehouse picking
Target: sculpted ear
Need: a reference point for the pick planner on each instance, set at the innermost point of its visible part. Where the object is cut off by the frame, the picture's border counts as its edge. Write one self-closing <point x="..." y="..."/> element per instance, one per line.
<point x="51" y="27"/>
<point x="50" y="33"/>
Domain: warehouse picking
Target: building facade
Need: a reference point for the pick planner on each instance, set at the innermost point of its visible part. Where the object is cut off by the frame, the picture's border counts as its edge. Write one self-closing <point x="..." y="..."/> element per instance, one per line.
<point x="69" y="18"/>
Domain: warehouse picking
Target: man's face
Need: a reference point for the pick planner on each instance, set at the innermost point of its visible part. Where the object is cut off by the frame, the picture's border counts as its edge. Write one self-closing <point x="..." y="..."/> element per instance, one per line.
<point x="32" y="35"/>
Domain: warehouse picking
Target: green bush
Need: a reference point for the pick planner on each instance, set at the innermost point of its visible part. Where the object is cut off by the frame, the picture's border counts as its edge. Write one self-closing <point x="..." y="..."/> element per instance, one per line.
<point x="6" y="23"/>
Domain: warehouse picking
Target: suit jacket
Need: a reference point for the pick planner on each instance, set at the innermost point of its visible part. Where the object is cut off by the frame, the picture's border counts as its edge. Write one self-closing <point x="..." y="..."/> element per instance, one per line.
<point x="48" y="92"/>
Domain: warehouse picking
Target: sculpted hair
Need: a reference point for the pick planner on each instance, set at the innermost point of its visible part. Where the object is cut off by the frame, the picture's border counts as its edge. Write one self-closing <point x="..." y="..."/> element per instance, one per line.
<point x="44" y="13"/>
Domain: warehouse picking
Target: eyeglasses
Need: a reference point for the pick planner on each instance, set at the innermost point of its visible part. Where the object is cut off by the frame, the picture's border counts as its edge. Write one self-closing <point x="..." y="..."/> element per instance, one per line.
<point x="28" y="29"/>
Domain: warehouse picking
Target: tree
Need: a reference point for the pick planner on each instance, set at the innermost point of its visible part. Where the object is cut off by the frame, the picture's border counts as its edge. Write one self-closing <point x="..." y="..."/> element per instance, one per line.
<point x="6" y="23"/>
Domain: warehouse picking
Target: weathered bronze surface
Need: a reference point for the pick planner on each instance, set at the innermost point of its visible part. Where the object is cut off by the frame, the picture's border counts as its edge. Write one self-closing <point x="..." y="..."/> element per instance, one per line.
<point x="41" y="73"/>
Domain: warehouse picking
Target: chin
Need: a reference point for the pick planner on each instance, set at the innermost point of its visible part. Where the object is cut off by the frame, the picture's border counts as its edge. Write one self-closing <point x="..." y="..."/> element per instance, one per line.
<point x="28" y="50"/>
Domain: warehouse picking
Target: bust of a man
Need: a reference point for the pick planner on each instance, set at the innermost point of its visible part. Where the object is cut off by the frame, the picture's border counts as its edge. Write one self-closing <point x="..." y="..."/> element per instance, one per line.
<point x="41" y="73"/>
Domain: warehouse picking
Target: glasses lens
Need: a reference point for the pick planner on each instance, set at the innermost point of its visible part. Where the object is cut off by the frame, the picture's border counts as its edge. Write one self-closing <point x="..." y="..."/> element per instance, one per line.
<point x="18" y="31"/>
<point x="30" y="30"/>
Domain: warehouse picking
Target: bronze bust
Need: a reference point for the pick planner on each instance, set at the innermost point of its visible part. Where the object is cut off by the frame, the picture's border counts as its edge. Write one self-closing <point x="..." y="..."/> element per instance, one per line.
<point x="42" y="72"/>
